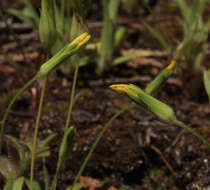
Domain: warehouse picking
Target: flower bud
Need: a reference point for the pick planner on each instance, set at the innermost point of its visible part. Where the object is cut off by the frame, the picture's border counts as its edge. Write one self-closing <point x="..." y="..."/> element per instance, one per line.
<point x="63" y="54"/>
<point x="158" y="108"/>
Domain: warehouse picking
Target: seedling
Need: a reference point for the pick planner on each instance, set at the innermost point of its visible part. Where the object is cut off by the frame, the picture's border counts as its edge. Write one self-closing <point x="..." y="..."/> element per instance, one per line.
<point x="47" y="68"/>
<point x="19" y="155"/>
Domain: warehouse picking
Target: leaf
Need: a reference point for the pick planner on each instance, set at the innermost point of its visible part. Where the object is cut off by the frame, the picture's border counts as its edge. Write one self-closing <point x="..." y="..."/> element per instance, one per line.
<point x="113" y="9"/>
<point x="183" y="6"/>
<point x="66" y="143"/>
<point x="18" y="184"/>
<point x="158" y="36"/>
<point x="36" y="185"/>
<point x="206" y="80"/>
<point x="46" y="178"/>
<point x="20" y="149"/>
<point x="77" y="186"/>
<point x="22" y="17"/>
<point x="9" y="183"/>
<point x="32" y="12"/>
<point x="107" y="38"/>
<point x="48" y="139"/>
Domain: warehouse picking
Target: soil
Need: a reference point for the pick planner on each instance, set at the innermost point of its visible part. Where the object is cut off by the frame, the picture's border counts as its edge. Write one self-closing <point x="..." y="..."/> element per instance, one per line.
<point x="138" y="151"/>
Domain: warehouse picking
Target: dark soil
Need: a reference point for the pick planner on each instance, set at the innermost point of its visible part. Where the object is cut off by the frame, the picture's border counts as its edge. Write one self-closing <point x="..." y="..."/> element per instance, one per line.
<point x="138" y="151"/>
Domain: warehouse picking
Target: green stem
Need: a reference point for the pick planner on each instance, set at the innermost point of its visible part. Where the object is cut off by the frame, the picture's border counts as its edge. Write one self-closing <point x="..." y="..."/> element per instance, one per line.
<point x="201" y="138"/>
<point x="33" y="151"/>
<point x="11" y="104"/>
<point x="54" y="184"/>
<point x="67" y="123"/>
<point x="72" y="97"/>
<point x="100" y="135"/>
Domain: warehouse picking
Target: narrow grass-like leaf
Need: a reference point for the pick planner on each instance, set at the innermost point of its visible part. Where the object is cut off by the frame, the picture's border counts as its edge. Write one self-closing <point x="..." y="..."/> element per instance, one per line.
<point x="46" y="178"/>
<point x="118" y="36"/>
<point x="17" y="146"/>
<point x="158" y="36"/>
<point x="12" y="62"/>
<point x="36" y="185"/>
<point x="32" y="12"/>
<point x="183" y="6"/>
<point x="107" y="38"/>
<point x="48" y="139"/>
<point x="22" y="17"/>
<point x="66" y="144"/>
<point x="9" y="183"/>
<point x="133" y="55"/>
<point x="206" y="80"/>
<point x="18" y="184"/>
<point x="113" y="9"/>
<point x="77" y="186"/>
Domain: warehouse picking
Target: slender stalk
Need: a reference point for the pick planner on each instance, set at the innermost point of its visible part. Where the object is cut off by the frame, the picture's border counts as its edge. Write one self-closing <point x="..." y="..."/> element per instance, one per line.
<point x="200" y="137"/>
<point x="58" y="167"/>
<point x="72" y="97"/>
<point x="11" y="104"/>
<point x="33" y="152"/>
<point x="100" y="135"/>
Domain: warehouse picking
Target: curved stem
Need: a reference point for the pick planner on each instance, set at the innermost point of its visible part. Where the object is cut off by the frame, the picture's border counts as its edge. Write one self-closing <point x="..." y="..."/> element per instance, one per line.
<point x="72" y="97"/>
<point x="33" y="151"/>
<point x="11" y="104"/>
<point x="200" y="137"/>
<point x="100" y="135"/>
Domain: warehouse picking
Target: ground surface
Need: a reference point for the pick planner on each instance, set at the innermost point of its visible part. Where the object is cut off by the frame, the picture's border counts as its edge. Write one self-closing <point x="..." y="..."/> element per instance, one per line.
<point x="138" y="151"/>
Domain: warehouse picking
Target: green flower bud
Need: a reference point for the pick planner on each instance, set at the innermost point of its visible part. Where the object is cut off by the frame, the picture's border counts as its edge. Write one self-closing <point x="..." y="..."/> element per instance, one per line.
<point x="63" y="54"/>
<point x="153" y="87"/>
<point x="158" y="108"/>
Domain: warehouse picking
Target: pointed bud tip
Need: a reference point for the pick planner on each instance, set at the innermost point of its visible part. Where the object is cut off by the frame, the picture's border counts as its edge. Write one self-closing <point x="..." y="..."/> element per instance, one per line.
<point x="82" y="39"/>
<point x="120" y="88"/>
<point x="172" y="65"/>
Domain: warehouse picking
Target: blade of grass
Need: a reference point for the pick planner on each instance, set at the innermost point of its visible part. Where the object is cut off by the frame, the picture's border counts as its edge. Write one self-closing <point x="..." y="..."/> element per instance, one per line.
<point x="206" y="79"/>
<point x="158" y="36"/>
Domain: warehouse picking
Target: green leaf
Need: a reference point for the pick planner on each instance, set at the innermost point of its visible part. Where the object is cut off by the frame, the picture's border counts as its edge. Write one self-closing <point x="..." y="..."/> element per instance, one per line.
<point x="158" y="36"/>
<point x="183" y="6"/>
<point x="36" y="185"/>
<point x="48" y="139"/>
<point x="18" y="184"/>
<point x="66" y="143"/>
<point x="206" y="79"/>
<point x="107" y="39"/>
<point x="9" y="183"/>
<point x="22" y="17"/>
<point x="46" y="178"/>
<point x="32" y="12"/>
<point x="16" y="144"/>
<point x="113" y="9"/>
<point x="77" y="186"/>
